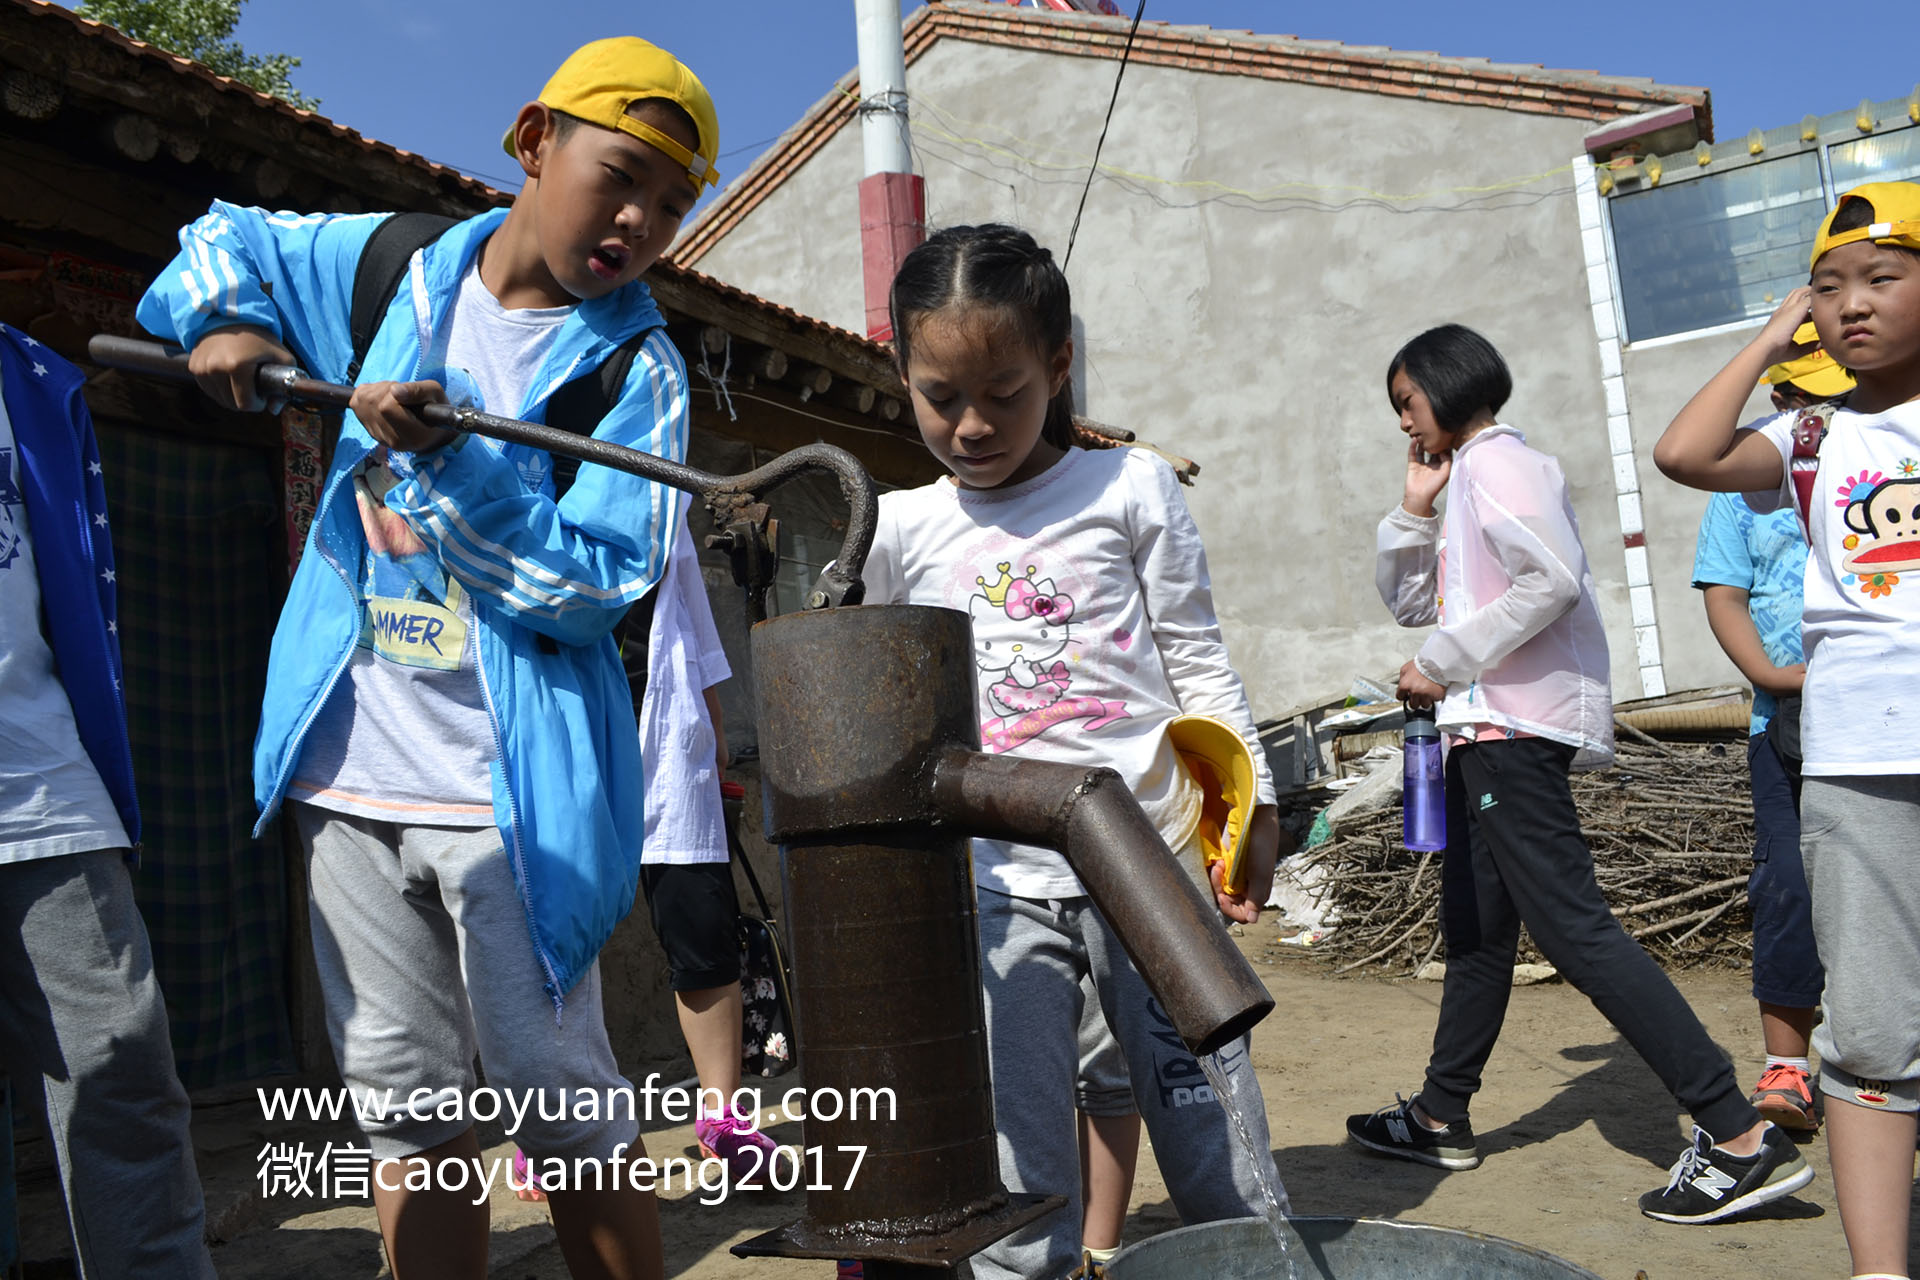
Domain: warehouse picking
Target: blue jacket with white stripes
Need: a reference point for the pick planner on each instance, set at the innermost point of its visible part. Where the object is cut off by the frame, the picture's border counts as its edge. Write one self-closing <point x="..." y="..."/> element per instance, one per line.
<point x="548" y="580"/>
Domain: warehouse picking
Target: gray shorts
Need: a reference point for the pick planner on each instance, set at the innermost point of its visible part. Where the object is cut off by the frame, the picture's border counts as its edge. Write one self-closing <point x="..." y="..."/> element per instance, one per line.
<point x="424" y="956"/>
<point x="1101" y="1087"/>
<point x="1863" y="870"/>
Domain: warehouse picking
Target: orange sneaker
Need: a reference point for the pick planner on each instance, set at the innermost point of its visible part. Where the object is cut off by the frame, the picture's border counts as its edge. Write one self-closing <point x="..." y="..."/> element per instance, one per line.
<point x="1785" y="1096"/>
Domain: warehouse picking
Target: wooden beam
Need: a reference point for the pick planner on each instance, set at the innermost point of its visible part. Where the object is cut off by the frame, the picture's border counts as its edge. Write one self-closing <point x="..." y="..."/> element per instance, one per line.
<point x="810" y="379"/>
<point x="855" y="396"/>
<point x="95" y="74"/>
<point x="125" y="217"/>
<point x="29" y="96"/>
<point x="136" y="137"/>
<point x="774" y="418"/>
<point x="840" y="353"/>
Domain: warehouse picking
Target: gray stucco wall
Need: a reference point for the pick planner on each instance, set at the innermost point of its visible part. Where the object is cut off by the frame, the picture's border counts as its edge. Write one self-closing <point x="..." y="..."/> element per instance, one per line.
<point x="1660" y="381"/>
<point x="1252" y="334"/>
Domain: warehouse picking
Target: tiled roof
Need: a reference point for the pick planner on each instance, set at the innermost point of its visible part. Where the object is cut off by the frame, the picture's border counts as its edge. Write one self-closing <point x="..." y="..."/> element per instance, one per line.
<point x="1523" y="87"/>
<point x="862" y="359"/>
<point x="194" y="71"/>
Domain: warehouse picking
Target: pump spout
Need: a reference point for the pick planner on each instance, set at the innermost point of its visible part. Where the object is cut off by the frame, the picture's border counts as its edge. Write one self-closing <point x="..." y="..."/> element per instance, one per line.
<point x="1166" y="922"/>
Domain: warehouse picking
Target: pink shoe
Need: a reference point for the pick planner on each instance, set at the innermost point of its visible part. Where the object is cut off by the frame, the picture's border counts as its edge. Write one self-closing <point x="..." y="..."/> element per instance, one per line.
<point x="734" y="1139"/>
<point x="525" y="1185"/>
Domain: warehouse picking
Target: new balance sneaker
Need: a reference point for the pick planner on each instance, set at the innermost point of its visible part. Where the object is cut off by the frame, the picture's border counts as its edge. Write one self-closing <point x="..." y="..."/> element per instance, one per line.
<point x="1709" y="1184"/>
<point x="1785" y="1096"/>
<point x="1394" y="1131"/>
<point x="733" y="1138"/>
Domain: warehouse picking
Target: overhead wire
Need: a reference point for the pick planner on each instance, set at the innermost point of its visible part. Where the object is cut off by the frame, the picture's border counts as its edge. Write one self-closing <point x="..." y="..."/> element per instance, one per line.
<point x="1093" y="168"/>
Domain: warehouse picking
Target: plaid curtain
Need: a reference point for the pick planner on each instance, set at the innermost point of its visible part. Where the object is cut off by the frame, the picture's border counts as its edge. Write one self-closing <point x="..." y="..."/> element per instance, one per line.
<point x="201" y="553"/>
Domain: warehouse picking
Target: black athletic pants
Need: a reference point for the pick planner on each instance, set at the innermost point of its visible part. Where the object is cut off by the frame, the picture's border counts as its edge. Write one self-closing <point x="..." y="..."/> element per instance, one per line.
<point x="1515" y="854"/>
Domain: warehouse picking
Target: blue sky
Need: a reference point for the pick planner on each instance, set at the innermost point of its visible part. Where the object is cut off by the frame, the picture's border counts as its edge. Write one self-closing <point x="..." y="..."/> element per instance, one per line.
<point x="445" y="77"/>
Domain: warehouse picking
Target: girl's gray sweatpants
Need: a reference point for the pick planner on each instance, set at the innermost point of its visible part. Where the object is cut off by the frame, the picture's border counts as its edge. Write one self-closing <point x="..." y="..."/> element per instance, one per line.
<point x="1033" y="955"/>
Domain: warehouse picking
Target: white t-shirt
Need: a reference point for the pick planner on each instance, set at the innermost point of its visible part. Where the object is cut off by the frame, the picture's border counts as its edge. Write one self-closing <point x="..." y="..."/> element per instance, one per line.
<point x="405" y="736"/>
<point x="1093" y="626"/>
<point x="1860" y="711"/>
<point x="52" y="801"/>
<point x="685" y="822"/>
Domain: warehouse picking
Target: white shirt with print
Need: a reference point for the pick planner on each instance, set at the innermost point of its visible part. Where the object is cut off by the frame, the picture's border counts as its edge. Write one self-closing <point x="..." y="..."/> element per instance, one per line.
<point x="1860" y="711"/>
<point x="1093" y="626"/>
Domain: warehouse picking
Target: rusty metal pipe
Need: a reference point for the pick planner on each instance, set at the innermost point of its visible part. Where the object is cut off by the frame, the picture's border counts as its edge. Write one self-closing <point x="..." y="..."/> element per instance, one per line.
<point x="1166" y="922"/>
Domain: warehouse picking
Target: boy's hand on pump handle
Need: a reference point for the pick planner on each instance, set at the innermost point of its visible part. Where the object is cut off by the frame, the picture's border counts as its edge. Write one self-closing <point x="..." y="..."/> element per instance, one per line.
<point x="385" y="409"/>
<point x="225" y="363"/>
<point x="1264" y="838"/>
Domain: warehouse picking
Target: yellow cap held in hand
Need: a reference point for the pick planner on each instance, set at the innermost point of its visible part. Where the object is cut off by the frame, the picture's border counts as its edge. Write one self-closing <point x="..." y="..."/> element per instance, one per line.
<point x="1220" y="763"/>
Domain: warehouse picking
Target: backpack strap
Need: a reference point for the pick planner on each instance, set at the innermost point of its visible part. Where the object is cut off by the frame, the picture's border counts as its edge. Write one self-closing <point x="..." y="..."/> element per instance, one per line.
<point x="383" y="264"/>
<point x="1809" y="431"/>
<point x="580" y="405"/>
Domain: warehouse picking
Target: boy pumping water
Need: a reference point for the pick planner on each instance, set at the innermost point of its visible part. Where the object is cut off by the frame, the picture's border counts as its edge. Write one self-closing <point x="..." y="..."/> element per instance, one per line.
<point x="445" y="706"/>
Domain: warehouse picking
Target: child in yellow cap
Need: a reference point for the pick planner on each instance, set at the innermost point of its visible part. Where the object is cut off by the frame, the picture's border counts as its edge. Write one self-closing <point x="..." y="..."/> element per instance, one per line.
<point x="1748" y="568"/>
<point x="1860" y="754"/>
<point x="445" y="705"/>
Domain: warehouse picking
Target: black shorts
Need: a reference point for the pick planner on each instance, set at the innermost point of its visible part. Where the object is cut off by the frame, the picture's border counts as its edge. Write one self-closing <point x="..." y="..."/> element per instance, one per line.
<point x="695" y="913"/>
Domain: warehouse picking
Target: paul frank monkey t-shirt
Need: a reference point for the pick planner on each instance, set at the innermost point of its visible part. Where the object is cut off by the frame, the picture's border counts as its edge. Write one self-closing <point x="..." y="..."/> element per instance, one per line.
<point x="1860" y="711"/>
<point x="1093" y="626"/>
<point x="406" y="736"/>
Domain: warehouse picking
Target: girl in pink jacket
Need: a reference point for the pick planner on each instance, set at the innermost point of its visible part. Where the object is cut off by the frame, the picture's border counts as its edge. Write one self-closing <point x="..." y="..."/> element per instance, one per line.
<point x="1518" y="670"/>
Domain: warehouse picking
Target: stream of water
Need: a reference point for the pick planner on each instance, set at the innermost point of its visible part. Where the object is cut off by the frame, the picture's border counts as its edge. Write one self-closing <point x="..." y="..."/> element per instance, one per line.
<point x="1237" y="1092"/>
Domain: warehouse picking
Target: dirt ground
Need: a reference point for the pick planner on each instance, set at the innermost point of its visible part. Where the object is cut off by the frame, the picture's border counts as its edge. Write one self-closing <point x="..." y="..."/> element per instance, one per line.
<point x="1572" y="1126"/>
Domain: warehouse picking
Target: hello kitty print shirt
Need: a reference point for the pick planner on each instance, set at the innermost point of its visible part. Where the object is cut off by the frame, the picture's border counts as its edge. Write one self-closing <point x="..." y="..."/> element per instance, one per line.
<point x="1093" y="626"/>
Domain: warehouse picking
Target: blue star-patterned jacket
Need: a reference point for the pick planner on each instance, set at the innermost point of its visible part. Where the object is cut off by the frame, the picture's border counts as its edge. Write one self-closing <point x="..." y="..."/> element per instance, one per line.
<point x="67" y="510"/>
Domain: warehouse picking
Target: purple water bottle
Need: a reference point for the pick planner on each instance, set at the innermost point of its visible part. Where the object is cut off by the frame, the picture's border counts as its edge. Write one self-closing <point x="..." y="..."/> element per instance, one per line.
<point x="1424" y="790"/>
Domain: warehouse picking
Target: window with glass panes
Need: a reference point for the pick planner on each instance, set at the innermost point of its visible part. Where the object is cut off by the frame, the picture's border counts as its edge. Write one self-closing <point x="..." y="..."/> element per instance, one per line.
<point x="1721" y="244"/>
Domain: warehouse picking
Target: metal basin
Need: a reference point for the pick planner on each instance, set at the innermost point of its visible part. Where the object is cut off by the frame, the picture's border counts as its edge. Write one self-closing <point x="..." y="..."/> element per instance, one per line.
<point x="1335" y="1249"/>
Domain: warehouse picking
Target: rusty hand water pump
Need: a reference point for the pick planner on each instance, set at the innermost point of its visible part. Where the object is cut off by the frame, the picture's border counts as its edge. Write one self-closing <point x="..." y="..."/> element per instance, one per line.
<point x="873" y="784"/>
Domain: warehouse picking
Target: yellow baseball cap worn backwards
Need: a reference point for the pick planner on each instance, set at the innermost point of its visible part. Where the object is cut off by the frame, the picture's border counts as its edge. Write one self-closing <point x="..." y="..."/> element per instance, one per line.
<point x="599" y="81"/>
<point x="1896" y="218"/>
<point x="1814" y="373"/>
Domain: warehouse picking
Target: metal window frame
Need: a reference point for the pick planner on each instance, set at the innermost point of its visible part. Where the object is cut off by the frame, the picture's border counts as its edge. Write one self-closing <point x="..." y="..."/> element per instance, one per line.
<point x="1837" y="129"/>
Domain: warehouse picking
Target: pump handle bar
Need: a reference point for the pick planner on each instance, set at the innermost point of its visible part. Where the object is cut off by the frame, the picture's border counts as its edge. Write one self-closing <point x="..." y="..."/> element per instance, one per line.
<point x="839" y="583"/>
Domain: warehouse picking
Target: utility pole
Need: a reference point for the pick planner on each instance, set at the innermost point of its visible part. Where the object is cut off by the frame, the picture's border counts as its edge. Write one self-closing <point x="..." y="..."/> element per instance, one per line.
<point x="893" y="200"/>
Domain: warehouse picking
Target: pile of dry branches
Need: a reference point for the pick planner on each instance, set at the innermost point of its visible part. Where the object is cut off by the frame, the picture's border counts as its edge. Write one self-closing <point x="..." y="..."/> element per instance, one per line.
<point x="1671" y="828"/>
